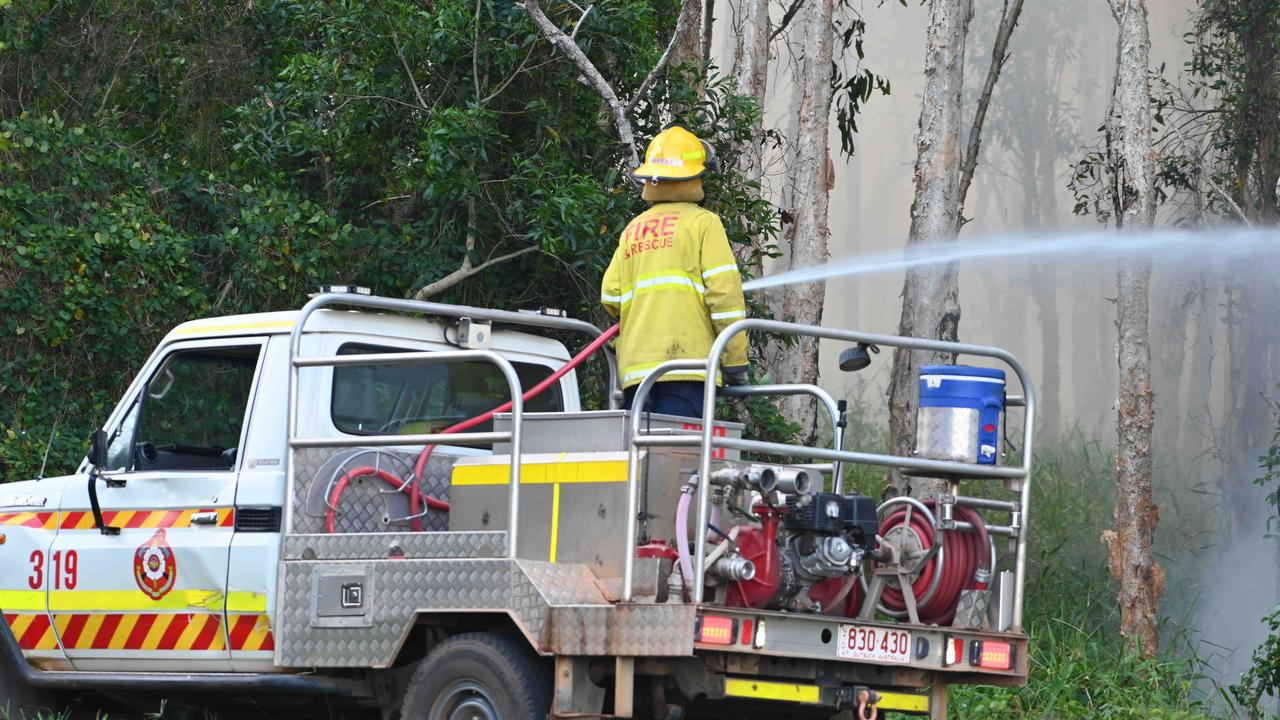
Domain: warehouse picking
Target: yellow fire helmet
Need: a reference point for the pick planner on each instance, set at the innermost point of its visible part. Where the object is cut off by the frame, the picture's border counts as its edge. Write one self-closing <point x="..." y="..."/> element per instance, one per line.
<point x="675" y="154"/>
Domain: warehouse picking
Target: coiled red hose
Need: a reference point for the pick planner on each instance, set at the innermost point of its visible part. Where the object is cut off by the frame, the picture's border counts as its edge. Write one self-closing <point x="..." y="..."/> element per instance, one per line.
<point x="416" y="497"/>
<point x="966" y="566"/>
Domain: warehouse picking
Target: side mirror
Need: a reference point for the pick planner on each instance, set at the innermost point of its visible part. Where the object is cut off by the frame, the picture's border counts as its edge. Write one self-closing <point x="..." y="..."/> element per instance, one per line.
<point x="98" y="449"/>
<point x="97" y="461"/>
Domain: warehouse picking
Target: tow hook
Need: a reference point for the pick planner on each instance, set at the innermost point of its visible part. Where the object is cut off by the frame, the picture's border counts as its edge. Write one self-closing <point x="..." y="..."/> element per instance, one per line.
<point x="864" y="700"/>
<point x="867" y="702"/>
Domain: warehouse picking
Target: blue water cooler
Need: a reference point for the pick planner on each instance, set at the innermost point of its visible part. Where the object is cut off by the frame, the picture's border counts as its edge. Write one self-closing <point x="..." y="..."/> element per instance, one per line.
<point x="960" y="416"/>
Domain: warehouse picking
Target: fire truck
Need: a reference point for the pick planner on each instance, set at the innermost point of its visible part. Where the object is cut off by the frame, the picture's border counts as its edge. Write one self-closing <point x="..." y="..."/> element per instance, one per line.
<point x="402" y="508"/>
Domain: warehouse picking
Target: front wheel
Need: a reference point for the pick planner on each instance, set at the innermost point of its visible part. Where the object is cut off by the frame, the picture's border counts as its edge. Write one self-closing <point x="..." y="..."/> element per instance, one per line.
<point x="479" y="676"/>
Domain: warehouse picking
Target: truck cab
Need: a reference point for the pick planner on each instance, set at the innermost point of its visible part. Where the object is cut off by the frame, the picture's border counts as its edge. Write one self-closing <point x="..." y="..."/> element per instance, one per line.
<point x="282" y="504"/>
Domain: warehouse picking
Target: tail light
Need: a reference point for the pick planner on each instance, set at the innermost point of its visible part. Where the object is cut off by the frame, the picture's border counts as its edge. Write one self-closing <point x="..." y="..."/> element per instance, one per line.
<point x="716" y="630"/>
<point x="991" y="655"/>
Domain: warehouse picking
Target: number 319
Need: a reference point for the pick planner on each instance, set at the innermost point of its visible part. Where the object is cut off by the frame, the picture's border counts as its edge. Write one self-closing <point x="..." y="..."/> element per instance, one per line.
<point x="65" y="567"/>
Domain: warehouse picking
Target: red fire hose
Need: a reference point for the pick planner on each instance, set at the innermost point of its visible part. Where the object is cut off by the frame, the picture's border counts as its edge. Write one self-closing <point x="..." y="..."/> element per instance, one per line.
<point x="416" y="497"/>
<point x="966" y="566"/>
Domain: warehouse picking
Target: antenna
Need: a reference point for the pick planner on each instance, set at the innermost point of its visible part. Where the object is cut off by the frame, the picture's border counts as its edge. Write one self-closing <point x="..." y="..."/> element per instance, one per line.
<point x="48" y="446"/>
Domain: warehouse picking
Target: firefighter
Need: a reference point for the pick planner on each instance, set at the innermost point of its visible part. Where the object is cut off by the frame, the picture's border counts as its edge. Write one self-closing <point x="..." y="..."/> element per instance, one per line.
<point x="673" y="282"/>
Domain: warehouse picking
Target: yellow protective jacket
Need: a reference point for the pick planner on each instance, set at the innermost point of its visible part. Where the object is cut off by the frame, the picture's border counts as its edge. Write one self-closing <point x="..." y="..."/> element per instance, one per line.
<point x="674" y="283"/>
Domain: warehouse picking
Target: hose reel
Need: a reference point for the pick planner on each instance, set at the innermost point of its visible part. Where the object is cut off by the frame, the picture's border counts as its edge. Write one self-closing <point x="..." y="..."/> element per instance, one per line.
<point x="921" y="570"/>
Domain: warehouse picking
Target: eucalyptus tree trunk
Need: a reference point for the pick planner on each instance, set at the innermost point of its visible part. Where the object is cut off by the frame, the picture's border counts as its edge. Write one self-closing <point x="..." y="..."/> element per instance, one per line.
<point x="751" y="71"/>
<point x="1133" y="561"/>
<point x="1258" y="125"/>
<point x="809" y="182"/>
<point x="688" y="45"/>
<point x="930" y="295"/>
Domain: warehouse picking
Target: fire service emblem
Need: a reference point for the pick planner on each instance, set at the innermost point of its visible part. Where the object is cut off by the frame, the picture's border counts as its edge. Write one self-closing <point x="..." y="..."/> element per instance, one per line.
<point x="154" y="568"/>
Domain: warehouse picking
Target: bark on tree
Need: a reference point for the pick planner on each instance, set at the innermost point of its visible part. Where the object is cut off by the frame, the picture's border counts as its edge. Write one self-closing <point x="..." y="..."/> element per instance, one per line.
<point x="1258" y="135"/>
<point x="1132" y="559"/>
<point x="810" y="181"/>
<point x="751" y="71"/>
<point x="620" y="111"/>
<point x="999" y="55"/>
<point x="930" y="296"/>
<point x="688" y="47"/>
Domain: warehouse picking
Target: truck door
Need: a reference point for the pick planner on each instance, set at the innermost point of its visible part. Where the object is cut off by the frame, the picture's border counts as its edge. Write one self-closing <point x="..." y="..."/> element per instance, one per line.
<point x="151" y="593"/>
<point x="28" y="526"/>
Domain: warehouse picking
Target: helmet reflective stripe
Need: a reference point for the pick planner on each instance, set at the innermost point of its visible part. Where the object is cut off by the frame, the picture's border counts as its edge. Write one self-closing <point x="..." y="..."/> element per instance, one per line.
<point x="674" y="154"/>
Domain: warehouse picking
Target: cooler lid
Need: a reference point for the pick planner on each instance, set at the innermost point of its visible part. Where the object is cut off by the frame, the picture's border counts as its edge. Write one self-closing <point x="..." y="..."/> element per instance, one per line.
<point x="962" y="371"/>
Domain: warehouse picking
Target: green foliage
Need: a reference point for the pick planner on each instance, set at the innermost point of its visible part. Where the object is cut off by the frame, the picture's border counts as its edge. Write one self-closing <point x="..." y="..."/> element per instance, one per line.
<point x="187" y="159"/>
<point x="1262" y="680"/>
<point x="852" y="87"/>
<point x="1235" y="68"/>
<point x="90" y="262"/>
<point x="183" y="159"/>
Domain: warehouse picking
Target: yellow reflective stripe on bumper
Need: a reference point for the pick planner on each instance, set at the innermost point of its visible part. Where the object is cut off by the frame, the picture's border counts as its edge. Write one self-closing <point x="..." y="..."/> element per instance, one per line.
<point x="764" y="690"/>
<point x="903" y="702"/>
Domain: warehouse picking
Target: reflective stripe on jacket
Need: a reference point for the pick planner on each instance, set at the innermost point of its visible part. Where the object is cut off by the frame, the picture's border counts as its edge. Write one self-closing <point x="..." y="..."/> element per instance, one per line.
<point x="674" y="283"/>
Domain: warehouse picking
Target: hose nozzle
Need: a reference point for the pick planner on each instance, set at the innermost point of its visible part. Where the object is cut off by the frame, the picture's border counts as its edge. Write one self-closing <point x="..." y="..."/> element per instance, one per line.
<point x="734" y="567"/>
<point x="753" y="477"/>
<point x="794" y="481"/>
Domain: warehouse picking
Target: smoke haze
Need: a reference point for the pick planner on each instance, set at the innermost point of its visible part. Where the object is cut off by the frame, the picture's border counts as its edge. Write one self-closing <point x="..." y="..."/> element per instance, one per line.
<point x="1215" y="343"/>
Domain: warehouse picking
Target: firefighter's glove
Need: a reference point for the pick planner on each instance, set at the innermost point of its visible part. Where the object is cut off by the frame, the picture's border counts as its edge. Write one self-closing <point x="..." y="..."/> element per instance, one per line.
<point x="735" y="376"/>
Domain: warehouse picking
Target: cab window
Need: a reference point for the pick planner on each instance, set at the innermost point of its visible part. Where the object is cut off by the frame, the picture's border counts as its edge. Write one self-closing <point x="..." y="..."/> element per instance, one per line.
<point x="427" y="397"/>
<point x="190" y="413"/>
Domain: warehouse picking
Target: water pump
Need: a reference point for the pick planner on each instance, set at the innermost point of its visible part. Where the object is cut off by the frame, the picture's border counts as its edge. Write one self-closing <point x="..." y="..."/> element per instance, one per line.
<point x="806" y="553"/>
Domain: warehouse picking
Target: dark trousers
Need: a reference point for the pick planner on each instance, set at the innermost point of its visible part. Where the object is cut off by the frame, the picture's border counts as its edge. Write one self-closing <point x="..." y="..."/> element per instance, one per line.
<point x="674" y="397"/>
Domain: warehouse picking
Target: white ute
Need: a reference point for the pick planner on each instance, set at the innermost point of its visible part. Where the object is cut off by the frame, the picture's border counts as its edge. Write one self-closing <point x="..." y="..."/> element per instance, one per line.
<point x="258" y="518"/>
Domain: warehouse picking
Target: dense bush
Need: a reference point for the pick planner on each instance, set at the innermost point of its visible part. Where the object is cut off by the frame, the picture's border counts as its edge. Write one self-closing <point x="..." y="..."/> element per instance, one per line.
<point x="161" y="161"/>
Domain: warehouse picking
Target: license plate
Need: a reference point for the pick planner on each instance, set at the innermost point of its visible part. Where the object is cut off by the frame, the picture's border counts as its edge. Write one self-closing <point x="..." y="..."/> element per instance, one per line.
<point x="860" y="642"/>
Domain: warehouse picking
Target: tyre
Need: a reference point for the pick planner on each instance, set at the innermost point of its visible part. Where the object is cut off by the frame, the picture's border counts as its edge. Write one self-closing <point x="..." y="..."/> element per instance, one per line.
<point x="479" y="676"/>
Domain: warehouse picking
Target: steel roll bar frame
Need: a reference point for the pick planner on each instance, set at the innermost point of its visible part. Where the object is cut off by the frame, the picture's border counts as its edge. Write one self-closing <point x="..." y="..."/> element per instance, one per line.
<point x="837" y="427"/>
<point x="296" y="363"/>
<point x="708" y="442"/>
<point x="512" y="435"/>
<point x="633" y="462"/>
<point x="633" y="458"/>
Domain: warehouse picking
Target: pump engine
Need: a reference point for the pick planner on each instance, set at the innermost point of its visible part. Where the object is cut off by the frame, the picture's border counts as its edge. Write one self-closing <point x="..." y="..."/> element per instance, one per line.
<point x="805" y="552"/>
